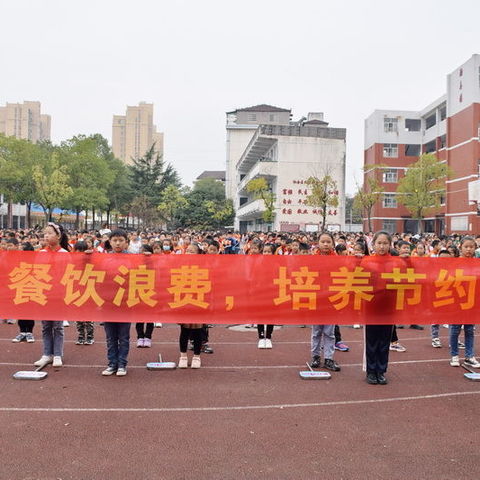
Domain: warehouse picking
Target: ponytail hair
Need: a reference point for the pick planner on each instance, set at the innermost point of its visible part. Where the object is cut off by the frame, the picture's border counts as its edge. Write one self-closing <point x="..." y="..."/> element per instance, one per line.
<point x="62" y="235"/>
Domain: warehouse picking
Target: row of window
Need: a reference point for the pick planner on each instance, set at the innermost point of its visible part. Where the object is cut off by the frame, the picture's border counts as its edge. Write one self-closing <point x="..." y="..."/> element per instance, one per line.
<point x="391" y="124"/>
<point x="390" y="150"/>
<point x="390" y="200"/>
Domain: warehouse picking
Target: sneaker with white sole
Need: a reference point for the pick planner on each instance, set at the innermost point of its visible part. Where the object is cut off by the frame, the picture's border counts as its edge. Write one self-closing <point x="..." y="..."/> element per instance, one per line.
<point x="109" y="371"/>
<point x="57" y="361"/>
<point x="29" y="337"/>
<point x="356" y="326"/>
<point x="436" y="343"/>
<point x="461" y="345"/>
<point x="268" y="343"/>
<point x="140" y="343"/>
<point x="455" y="361"/>
<point x="121" y="372"/>
<point x="472" y="362"/>
<point x="89" y="341"/>
<point x="183" y="362"/>
<point x="196" y="362"/>
<point x="157" y="325"/>
<point x="261" y="343"/>
<point x="147" y="342"/>
<point x="66" y="323"/>
<point x="19" y="338"/>
<point x="397" y="347"/>
<point x="44" y="360"/>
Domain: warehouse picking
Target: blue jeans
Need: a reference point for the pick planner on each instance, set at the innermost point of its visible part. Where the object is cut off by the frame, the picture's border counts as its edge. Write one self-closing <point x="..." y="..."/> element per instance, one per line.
<point x="435" y="330"/>
<point x="454" y="331"/>
<point x="52" y="333"/>
<point x="118" y="343"/>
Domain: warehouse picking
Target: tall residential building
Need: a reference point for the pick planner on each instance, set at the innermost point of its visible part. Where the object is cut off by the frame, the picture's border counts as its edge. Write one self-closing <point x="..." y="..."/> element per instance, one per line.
<point x="450" y="128"/>
<point x="263" y="142"/>
<point x="134" y="133"/>
<point x="25" y="120"/>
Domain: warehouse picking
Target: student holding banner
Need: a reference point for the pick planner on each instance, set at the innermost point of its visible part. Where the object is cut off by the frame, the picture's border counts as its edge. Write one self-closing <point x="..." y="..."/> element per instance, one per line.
<point x="56" y="241"/>
<point x="378" y="337"/>
<point x="117" y="333"/>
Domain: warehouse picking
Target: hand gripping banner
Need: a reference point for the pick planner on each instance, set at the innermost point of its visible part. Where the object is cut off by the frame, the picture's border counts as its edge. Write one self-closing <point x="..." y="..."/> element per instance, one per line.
<point x="235" y="289"/>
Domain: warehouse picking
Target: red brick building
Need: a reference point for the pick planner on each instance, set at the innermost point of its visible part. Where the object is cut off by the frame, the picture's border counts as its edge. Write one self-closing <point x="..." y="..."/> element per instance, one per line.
<point x="450" y="128"/>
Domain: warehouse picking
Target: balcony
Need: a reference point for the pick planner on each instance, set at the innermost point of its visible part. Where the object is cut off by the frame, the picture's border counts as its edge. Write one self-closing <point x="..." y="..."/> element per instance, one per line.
<point x="262" y="168"/>
<point x="256" y="149"/>
<point x="251" y="210"/>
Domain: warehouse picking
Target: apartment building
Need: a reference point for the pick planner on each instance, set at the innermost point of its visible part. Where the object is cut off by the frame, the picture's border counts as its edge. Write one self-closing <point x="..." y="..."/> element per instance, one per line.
<point x="25" y="120"/>
<point x="263" y="141"/>
<point x="449" y="128"/>
<point x="134" y="133"/>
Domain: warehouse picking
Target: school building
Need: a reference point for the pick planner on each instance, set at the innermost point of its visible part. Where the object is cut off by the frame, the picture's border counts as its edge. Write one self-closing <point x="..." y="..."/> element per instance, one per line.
<point x="449" y="128"/>
<point x="264" y="142"/>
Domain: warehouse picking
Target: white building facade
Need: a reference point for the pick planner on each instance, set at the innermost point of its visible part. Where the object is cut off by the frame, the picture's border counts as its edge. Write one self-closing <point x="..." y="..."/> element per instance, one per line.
<point x="262" y="141"/>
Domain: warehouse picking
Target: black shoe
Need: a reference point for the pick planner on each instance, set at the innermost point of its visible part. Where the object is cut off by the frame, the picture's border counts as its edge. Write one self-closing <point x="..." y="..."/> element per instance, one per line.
<point x="372" y="379"/>
<point x="206" y="348"/>
<point x="400" y="326"/>
<point x="332" y="365"/>
<point x="315" y="363"/>
<point x="80" y="341"/>
<point x="381" y="380"/>
<point x="416" y="327"/>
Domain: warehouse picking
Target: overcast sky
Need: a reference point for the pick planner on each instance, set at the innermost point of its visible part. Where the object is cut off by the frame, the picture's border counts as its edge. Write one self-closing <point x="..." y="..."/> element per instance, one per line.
<point x="195" y="60"/>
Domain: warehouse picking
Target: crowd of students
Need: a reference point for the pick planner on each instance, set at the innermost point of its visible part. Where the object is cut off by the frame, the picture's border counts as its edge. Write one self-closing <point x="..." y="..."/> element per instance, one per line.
<point x="325" y="339"/>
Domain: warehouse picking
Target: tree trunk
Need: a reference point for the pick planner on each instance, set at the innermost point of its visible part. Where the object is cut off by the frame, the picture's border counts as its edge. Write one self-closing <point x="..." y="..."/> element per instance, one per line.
<point x="77" y="219"/>
<point x="86" y="219"/>
<point x="9" y="214"/>
<point x="50" y="214"/>
<point x="93" y="218"/>
<point x="28" y="220"/>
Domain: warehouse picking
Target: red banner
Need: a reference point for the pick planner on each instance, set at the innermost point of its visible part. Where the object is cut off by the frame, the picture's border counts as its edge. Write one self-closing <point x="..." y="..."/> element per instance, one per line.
<point x="235" y="289"/>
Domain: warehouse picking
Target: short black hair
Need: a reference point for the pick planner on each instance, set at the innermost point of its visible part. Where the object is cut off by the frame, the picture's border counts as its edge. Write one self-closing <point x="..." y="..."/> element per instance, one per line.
<point x="118" y="233"/>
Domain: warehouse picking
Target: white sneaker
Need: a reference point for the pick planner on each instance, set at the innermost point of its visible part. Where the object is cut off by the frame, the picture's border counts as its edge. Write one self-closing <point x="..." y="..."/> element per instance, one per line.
<point x="121" y="372"/>
<point x="183" y="362"/>
<point x="436" y="343"/>
<point x="157" y="325"/>
<point x="66" y="324"/>
<point x="44" y="360"/>
<point x="109" y="371"/>
<point x="356" y="326"/>
<point x="20" y="338"/>
<point x="455" y="361"/>
<point x="268" y="343"/>
<point x="261" y="343"/>
<point x="57" y="362"/>
<point x="472" y="362"/>
<point x="196" y="362"/>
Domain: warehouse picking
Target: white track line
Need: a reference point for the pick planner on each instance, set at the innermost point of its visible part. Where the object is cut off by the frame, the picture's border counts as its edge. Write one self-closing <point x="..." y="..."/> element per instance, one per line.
<point x="242" y="408"/>
<point x="239" y="367"/>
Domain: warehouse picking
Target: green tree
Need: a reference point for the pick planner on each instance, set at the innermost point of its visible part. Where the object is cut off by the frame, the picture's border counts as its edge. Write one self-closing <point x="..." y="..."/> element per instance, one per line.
<point x="366" y="197"/>
<point x="262" y="191"/>
<point x="324" y="195"/>
<point x="51" y="182"/>
<point x="150" y="176"/>
<point x="17" y="158"/>
<point x="119" y="193"/>
<point x="172" y="203"/>
<point x="87" y="163"/>
<point x="352" y="214"/>
<point x="422" y="187"/>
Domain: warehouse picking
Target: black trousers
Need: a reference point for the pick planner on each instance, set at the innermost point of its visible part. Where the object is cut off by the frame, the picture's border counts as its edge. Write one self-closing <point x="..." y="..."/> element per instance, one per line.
<point x="195" y="334"/>
<point x="338" y="335"/>
<point x="143" y="332"/>
<point x="377" y="344"/>
<point x="26" y="326"/>
<point x="261" y="331"/>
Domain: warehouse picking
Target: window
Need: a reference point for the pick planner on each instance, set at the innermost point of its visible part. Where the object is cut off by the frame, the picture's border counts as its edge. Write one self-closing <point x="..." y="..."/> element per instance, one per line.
<point x="443" y="113"/>
<point x="252" y="117"/>
<point x="390" y="175"/>
<point x="442" y="141"/>
<point x="389" y="200"/>
<point x="390" y="150"/>
<point x="389" y="226"/>
<point x="272" y="117"/>
<point x="413" y="124"/>
<point x="430" y="121"/>
<point x="390" y="124"/>
<point x="430" y="147"/>
<point x="412" y="150"/>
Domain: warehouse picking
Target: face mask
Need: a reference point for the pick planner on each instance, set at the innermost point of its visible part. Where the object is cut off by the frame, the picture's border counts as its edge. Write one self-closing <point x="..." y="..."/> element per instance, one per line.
<point x="166" y="247"/>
